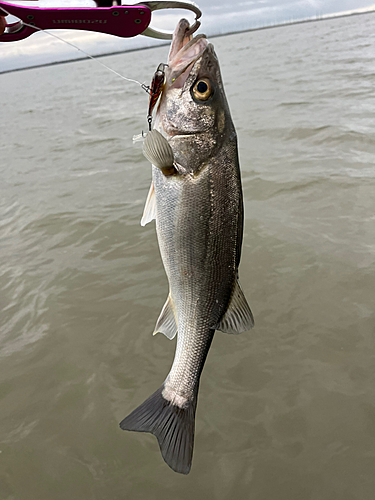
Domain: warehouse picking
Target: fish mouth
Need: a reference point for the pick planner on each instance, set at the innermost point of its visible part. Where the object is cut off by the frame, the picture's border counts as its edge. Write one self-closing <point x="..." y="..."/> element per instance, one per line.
<point x="185" y="51"/>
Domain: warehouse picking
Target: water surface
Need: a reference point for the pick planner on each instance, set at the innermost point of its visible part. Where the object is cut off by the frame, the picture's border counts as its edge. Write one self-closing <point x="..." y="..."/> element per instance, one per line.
<point x="286" y="411"/>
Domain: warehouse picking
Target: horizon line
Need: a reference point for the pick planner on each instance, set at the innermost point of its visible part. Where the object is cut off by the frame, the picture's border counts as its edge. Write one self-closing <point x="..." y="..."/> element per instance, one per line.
<point x="323" y="17"/>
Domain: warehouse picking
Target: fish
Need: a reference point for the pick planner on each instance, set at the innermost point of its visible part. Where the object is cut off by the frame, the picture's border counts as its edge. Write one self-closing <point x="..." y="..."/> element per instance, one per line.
<point x="197" y="202"/>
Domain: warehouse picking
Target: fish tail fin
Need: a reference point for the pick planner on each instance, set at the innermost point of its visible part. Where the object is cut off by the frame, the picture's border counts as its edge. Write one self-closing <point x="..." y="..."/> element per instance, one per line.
<point x="172" y="425"/>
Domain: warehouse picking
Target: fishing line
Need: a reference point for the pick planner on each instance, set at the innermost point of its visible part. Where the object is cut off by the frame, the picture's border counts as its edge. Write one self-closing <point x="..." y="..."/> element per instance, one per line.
<point x="142" y="85"/>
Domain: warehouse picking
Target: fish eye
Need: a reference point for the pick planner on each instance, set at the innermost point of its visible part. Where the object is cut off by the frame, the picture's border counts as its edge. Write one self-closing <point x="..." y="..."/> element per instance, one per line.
<point x="202" y="89"/>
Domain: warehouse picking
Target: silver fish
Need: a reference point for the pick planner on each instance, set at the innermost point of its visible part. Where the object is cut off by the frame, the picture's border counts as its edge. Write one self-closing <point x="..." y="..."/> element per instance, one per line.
<point x="196" y="199"/>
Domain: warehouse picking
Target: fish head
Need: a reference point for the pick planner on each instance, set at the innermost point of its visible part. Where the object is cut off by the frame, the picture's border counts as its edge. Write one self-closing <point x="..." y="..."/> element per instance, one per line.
<point x="193" y="113"/>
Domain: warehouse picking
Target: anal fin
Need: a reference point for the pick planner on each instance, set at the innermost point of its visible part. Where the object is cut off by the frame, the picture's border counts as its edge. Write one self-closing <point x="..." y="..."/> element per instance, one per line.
<point x="166" y="322"/>
<point x="238" y="317"/>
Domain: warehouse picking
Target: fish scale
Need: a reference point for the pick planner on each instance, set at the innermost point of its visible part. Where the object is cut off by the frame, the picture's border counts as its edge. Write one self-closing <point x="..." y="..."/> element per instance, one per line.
<point x="199" y="224"/>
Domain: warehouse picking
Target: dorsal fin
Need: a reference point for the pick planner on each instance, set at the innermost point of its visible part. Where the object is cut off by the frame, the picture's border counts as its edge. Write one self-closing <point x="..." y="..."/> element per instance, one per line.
<point x="238" y="317"/>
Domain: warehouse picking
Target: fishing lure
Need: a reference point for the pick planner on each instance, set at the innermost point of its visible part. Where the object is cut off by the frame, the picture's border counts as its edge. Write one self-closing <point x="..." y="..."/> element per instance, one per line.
<point x="119" y="20"/>
<point x="155" y="90"/>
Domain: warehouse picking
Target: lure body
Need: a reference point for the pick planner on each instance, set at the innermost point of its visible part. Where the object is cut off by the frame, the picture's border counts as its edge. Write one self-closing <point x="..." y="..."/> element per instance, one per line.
<point x="155" y="90"/>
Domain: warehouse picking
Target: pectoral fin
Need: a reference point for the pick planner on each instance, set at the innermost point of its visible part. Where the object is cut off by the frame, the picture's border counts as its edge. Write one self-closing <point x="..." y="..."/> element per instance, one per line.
<point x="149" y="212"/>
<point x="166" y="322"/>
<point x="158" y="151"/>
<point x="238" y="317"/>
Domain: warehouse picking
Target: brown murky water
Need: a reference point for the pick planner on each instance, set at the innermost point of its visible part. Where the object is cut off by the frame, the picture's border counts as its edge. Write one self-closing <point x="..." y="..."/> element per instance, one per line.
<point x="286" y="411"/>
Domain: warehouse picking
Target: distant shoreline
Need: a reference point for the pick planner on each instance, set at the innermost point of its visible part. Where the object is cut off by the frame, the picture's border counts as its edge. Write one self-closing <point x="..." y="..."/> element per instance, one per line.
<point x="325" y="17"/>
